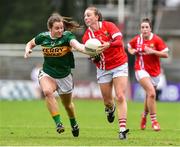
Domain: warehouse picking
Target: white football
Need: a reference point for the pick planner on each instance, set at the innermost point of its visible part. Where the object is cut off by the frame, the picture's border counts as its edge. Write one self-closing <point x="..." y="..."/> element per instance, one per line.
<point x="91" y="45"/>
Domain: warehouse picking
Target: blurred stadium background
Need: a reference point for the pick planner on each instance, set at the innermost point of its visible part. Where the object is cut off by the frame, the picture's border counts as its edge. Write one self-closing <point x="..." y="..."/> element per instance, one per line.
<point x="22" y="20"/>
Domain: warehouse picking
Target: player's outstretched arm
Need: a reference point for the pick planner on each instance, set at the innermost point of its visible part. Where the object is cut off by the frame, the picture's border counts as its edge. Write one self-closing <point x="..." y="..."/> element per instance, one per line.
<point x="79" y="47"/>
<point x="28" y="49"/>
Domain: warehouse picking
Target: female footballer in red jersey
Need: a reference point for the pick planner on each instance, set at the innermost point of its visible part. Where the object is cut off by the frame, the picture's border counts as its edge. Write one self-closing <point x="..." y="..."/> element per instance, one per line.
<point x="148" y="48"/>
<point x="112" y="66"/>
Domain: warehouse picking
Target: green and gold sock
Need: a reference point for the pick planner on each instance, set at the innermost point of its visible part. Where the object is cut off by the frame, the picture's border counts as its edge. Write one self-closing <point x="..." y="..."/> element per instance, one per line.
<point x="57" y="119"/>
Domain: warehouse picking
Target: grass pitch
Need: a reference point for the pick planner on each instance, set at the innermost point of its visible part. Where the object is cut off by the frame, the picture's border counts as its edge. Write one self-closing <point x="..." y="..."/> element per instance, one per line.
<point x="28" y="123"/>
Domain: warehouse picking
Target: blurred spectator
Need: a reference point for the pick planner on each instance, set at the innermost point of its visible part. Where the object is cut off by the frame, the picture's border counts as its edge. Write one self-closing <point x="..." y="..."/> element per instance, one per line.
<point x="172" y="3"/>
<point x="34" y="78"/>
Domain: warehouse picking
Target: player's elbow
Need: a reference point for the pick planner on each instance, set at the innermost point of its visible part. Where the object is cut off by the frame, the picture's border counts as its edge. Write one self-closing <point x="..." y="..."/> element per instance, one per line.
<point x="166" y="55"/>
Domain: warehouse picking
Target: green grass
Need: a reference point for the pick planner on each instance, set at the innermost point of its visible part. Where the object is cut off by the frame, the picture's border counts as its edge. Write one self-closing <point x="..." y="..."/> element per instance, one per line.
<point x="29" y="123"/>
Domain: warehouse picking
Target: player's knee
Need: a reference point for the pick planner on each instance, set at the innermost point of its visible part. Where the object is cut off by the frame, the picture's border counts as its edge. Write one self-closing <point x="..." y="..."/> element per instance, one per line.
<point x="151" y="94"/>
<point x="69" y="106"/>
<point x="120" y="98"/>
<point x="47" y="93"/>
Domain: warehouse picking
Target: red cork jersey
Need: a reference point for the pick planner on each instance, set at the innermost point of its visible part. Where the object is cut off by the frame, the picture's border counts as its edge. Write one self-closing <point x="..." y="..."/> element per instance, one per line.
<point x="113" y="56"/>
<point x="148" y="62"/>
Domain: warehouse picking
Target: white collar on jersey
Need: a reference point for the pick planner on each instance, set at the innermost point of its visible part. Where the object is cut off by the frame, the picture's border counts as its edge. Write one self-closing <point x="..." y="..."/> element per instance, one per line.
<point x="100" y="26"/>
<point x="92" y="33"/>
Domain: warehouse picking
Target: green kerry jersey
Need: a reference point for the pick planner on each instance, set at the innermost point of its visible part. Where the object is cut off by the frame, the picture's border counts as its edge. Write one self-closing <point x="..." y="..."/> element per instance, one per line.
<point x="58" y="57"/>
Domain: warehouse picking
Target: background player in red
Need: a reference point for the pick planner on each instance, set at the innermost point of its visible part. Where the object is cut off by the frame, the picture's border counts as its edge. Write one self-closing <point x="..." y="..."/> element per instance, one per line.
<point x="148" y="48"/>
<point x="112" y="66"/>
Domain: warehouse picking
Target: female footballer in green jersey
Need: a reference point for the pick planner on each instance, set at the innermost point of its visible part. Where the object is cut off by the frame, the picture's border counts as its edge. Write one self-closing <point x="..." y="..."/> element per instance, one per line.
<point x="56" y="72"/>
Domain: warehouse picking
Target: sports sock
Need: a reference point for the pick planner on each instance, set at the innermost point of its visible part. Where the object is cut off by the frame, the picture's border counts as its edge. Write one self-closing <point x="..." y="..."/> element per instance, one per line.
<point x="153" y="117"/>
<point x="145" y="113"/>
<point x="73" y="122"/>
<point x="122" y="124"/>
<point x="57" y="119"/>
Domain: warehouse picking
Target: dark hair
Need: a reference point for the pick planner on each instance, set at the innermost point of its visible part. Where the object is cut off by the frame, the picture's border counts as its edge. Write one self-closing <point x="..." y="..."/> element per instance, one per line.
<point x="147" y="20"/>
<point x="69" y="24"/>
<point x="96" y="12"/>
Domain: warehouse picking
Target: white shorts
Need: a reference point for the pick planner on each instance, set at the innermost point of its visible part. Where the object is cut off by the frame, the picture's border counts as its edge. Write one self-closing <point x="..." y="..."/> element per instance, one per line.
<point x="65" y="85"/>
<point x="142" y="73"/>
<point x="106" y="76"/>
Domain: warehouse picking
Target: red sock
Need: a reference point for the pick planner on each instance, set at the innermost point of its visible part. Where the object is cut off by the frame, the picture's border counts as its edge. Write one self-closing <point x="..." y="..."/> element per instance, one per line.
<point x="145" y="113"/>
<point x="153" y="117"/>
<point x="122" y="124"/>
